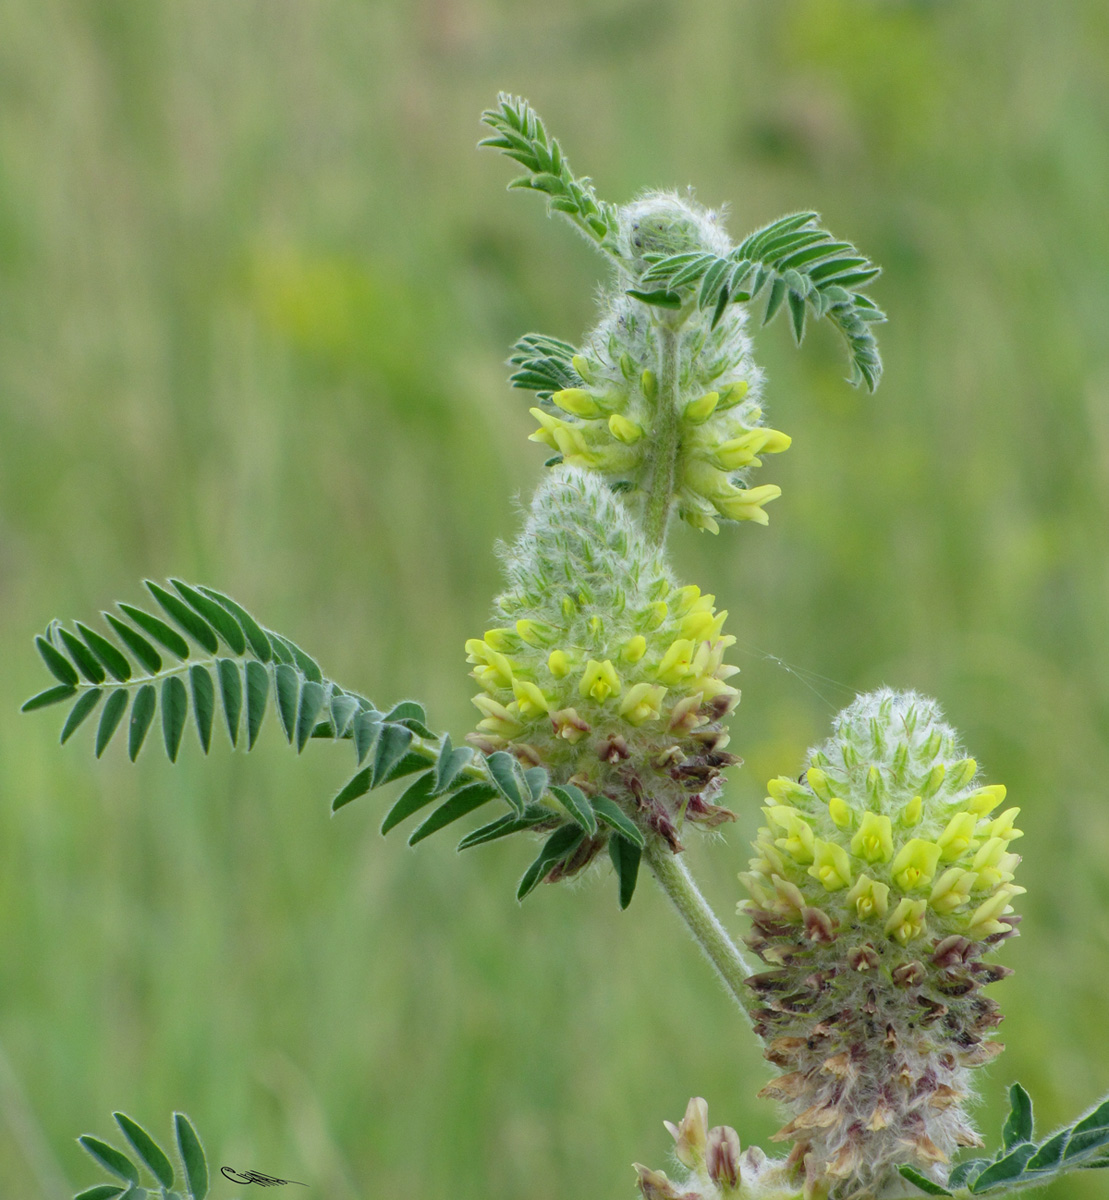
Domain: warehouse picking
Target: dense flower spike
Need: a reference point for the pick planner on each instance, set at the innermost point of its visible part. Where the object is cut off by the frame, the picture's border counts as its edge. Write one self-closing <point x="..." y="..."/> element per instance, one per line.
<point x="879" y="882"/>
<point x="601" y="668"/>
<point x="613" y="412"/>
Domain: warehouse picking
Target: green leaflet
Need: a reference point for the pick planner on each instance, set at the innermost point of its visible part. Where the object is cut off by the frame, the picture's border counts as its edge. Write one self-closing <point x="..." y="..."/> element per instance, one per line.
<point x="562" y="843"/>
<point x="613" y="816"/>
<point x="175" y="708"/>
<point x="148" y="657"/>
<point x="188" y="620"/>
<point x="464" y="801"/>
<point x="925" y="1184"/>
<point x="416" y="796"/>
<point x="231" y="694"/>
<point x="1018" y="1124"/>
<point x="142" y="714"/>
<point x="152" y="1156"/>
<point x="576" y="803"/>
<point x="110" y="1158"/>
<point x="86" y="702"/>
<point x="192" y="1157"/>
<point x="109" y="656"/>
<point x="508" y="776"/>
<point x="158" y="630"/>
<point x="110" y="716"/>
<point x="204" y="703"/>
<point x="52" y="695"/>
<point x="625" y="857"/>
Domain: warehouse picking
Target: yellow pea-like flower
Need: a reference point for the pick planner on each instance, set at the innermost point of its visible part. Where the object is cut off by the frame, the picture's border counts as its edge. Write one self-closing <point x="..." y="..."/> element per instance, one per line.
<point x="958" y="837"/>
<point x="915" y="864"/>
<point x="830" y="865"/>
<point x="869" y="897"/>
<point x="874" y="839"/>
<point x="599" y="680"/>
<point x="906" y="922"/>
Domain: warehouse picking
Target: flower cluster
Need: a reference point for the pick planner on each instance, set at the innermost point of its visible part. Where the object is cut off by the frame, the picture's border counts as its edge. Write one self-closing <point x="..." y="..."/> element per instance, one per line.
<point x="603" y="669"/>
<point x="879" y="882"/>
<point x="621" y="413"/>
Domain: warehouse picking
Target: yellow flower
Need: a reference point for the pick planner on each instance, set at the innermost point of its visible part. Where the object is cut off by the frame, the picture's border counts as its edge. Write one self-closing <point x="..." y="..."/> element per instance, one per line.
<point x="874" y="840"/>
<point x="830" y="865"/>
<point x="906" y="922"/>
<point x="952" y="889"/>
<point x="958" y="837"/>
<point x="869" y="897"/>
<point x="642" y="703"/>
<point x="599" y="680"/>
<point x="915" y="864"/>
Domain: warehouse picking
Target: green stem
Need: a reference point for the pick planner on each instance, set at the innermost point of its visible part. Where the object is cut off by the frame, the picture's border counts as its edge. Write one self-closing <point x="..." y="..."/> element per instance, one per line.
<point x="675" y="880"/>
<point x="666" y="433"/>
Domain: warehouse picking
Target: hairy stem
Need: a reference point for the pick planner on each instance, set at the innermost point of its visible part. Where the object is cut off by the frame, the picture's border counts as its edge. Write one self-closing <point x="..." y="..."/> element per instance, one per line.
<point x="675" y="880"/>
<point x="660" y="490"/>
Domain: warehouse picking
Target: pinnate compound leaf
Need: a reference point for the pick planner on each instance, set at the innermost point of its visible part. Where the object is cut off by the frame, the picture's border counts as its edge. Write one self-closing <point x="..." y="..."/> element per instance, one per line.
<point x="192" y="1157"/>
<point x="925" y="1184"/>
<point x="175" y="708"/>
<point x="625" y="857"/>
<point x="110" y="1158"/>
<point x="521" y="135"/>
<point x="110" y="716"/>
<point x="1018" y="1124"/>
<point x="142" y="714"/>
<point x="100" y="1191"/>
<point x="148" y="1150"/>
<point x="464" y="801"/>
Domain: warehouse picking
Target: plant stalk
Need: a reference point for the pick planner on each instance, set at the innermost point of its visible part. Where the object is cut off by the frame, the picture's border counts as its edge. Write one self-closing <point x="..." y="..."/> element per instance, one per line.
<point x="673" y="877"/>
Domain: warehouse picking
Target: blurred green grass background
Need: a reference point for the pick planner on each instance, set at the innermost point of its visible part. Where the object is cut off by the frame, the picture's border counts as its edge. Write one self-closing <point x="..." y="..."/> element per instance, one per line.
<point x="256" y="287"/>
